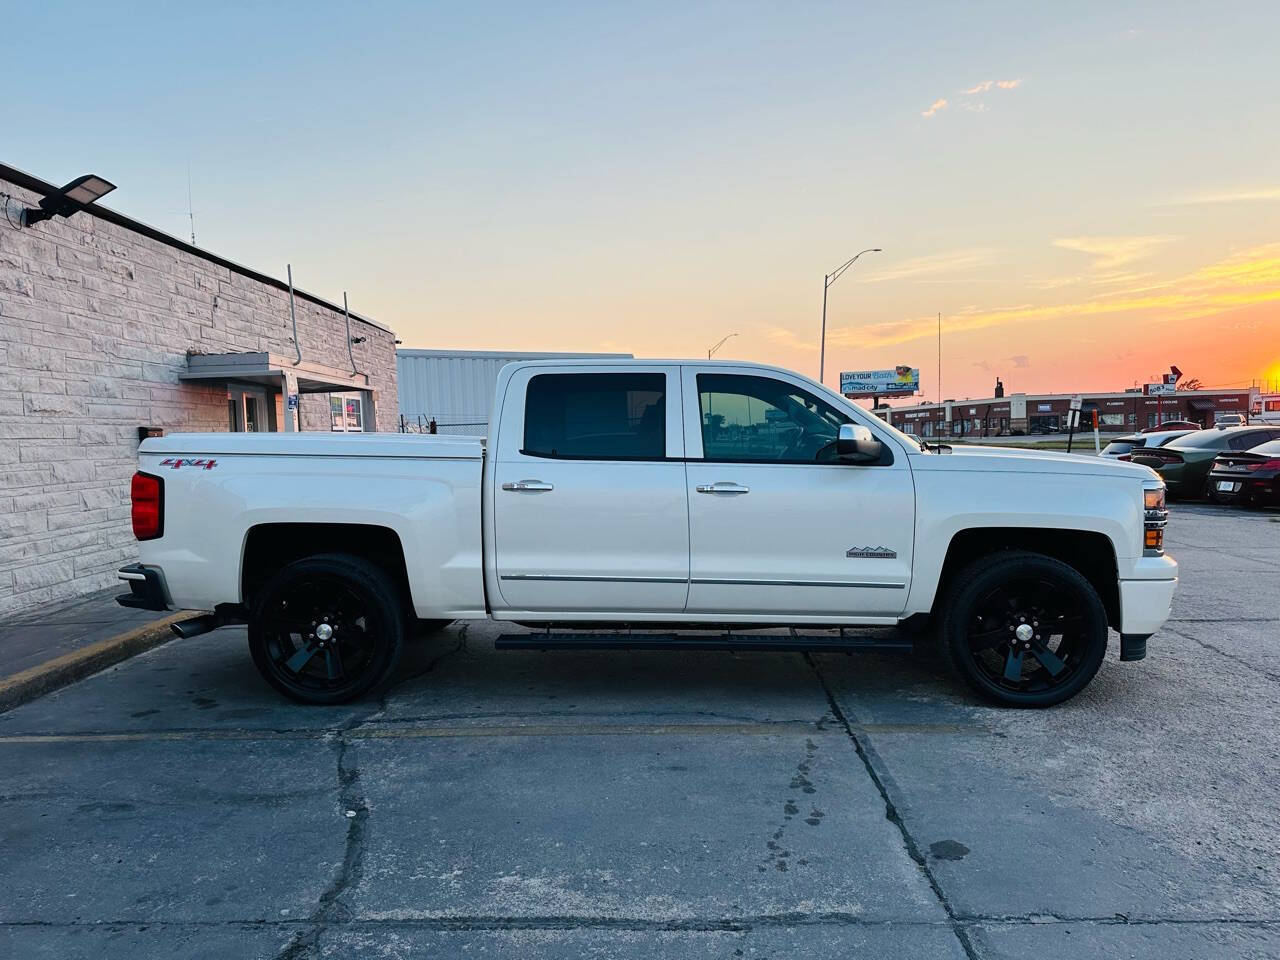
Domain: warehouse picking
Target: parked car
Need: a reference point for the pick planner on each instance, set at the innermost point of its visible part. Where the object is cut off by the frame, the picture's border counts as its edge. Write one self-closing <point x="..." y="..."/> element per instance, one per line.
<point x="1121" y="446"/>
<point x="1230" y="420"/>
<point x="1173" y="425"/>
<point x="634" y="493"/>
<point x="1184" y="463"/>
<point x="1251" y="477"/>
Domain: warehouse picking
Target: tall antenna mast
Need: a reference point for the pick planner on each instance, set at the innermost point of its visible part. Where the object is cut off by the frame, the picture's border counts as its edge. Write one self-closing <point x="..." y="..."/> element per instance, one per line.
<point x="191" y="214"/>
<point x="939" y="357"/>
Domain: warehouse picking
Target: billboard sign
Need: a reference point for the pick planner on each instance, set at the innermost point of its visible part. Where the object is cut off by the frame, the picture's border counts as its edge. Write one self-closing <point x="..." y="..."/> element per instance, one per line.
<point x="1161" y="389"/>
<point x="901" y="381"/>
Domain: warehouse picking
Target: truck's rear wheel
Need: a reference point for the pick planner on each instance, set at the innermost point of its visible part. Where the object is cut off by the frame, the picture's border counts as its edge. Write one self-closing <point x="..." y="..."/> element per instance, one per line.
<point x="1023" y="629"/>
<point x="326" y="629"/>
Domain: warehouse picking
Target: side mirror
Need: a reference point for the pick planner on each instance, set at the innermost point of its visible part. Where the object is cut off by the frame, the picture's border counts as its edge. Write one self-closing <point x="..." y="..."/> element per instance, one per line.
<point x="855" y="444"/>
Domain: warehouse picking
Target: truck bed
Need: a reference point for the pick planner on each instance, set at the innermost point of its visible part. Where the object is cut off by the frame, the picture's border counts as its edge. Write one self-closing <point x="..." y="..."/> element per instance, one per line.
<point x="411" y="445"/>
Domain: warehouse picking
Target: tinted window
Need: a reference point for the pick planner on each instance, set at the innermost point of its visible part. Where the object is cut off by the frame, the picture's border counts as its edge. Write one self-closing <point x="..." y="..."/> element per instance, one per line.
<point x="1270" y="449"/>
<point x="1117" y="447"/>
<point x="761" y="419"/>
<point x="1214" y="439"/>
<point x="1243" y="441"/>
<point x="598" y="416"/>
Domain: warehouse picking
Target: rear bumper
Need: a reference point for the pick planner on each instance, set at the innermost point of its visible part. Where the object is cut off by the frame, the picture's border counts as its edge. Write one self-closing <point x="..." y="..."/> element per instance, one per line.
<point x="1249" y="488"/>
<point x="147" y="589"/>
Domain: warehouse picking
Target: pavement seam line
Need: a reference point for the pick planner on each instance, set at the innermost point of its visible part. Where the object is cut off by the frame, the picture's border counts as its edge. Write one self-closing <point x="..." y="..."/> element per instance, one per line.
<point x="892" y="815"/>
<point x="693" y="924"/>
<point x="43" y="678"/>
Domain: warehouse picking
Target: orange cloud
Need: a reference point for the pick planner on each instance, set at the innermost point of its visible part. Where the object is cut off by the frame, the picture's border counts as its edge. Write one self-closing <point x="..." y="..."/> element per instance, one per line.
<point x="1248" y="278"/>
<point x="1113" y="252"/>
<point x="939" y="104"/>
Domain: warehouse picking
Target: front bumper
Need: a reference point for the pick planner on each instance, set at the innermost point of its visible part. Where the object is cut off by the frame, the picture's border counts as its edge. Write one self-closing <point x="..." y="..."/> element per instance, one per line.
<point x="147" y="589"/>
<point x="1145" y="604"/>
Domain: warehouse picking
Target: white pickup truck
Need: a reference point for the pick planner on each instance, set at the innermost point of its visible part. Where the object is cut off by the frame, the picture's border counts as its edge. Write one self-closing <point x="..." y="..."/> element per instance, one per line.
<point x="636" y="495"/>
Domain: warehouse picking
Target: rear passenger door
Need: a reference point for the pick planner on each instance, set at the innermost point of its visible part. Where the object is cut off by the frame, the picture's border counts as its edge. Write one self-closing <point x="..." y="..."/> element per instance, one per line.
<point x="590" y="513"/>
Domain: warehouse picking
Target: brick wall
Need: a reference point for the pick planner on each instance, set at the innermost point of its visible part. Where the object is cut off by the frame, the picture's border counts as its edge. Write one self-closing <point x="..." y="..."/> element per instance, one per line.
<point x="95" y="324"/>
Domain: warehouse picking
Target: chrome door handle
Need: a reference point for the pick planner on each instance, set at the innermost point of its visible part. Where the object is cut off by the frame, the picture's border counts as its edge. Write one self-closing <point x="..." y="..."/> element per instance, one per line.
<point x="528" y="485"/>
<point x="722" y="486"/>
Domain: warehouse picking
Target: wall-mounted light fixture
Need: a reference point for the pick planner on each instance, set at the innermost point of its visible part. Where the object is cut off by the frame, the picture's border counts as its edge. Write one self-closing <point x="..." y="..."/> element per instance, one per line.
<point x="75" y="196"/>
<point x="357" y="339"/>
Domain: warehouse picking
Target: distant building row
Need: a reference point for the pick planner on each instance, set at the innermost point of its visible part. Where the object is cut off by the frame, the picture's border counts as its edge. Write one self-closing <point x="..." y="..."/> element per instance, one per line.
<point x="1022" y="413"/>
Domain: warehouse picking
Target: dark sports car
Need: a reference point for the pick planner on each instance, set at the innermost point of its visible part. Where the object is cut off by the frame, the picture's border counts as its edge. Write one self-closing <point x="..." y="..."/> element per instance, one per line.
<point x="1184" y="463"/>
<point x="1252" y="476"/>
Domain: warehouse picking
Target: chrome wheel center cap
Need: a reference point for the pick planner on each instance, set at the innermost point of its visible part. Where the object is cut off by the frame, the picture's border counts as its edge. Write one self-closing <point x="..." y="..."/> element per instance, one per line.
<point x="1023" y="633"/>
<point x="324" y="632"/>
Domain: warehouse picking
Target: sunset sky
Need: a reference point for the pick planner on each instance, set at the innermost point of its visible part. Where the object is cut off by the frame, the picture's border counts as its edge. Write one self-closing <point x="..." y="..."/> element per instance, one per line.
<point x="1086" y="192"/>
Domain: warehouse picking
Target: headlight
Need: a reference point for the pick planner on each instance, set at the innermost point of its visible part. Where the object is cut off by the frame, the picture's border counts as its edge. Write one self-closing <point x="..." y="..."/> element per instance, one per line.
<point x="1155" y="515"/>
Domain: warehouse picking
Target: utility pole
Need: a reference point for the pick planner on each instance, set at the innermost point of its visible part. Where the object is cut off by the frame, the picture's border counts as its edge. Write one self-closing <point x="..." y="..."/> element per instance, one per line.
<point x="939" y="357"/>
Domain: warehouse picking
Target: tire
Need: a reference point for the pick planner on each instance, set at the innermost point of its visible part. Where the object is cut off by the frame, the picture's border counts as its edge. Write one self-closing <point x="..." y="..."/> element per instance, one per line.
<point x="359" y="603"/>
<point x="982" y="630"/>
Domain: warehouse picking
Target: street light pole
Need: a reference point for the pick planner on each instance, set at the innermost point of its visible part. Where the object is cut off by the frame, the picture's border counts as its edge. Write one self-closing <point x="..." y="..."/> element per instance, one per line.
<point x="827" y="280"/>
<point x="719" y="344"/>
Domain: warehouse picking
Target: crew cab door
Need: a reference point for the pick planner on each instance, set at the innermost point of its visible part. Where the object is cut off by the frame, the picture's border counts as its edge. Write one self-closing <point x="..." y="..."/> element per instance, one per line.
<point x="779" y="525"/>
<point x="589" y="512"/>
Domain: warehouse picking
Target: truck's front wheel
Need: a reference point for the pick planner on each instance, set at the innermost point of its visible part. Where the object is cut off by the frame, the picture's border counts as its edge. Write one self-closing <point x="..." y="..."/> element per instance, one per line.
<point x="327" y="628"/>
<point x="1023" y="629"/>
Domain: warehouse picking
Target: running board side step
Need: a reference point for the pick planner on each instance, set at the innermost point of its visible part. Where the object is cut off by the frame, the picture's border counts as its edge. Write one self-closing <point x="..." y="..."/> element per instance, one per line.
<point x="546" y="640"/>
<point x="224" y="615"/>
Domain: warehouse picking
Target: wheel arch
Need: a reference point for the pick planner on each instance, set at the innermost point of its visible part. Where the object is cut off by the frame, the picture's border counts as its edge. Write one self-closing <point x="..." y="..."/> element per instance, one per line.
<point x="1087" y="551"/>
<point x="268" y="547"/>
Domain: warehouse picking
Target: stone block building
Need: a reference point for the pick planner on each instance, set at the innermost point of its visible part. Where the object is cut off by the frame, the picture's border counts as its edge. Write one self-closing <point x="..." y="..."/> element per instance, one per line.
<point x="110" y="328"/>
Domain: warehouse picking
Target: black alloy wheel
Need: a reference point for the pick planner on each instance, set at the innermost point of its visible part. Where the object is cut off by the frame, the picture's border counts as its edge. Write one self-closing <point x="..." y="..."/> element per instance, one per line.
<point x="326" y="629"/>
<point x="1023" y="629"/>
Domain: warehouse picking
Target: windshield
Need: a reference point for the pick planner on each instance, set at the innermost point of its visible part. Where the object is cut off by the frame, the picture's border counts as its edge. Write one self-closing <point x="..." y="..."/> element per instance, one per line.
<point x="1271" y="448"/>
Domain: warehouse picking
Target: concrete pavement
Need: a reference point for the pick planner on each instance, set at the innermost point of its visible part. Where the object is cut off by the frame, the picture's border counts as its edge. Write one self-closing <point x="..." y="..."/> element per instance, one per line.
<point x="661" y="804"/>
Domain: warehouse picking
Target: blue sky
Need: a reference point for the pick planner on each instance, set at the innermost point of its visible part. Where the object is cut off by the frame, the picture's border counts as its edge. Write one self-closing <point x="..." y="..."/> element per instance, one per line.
<point x="649" y="178"/>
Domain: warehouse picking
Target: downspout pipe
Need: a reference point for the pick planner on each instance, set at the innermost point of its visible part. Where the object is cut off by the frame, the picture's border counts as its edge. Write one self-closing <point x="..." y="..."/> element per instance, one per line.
<point x="294" y="317"/>
<point x="346" y="312"/>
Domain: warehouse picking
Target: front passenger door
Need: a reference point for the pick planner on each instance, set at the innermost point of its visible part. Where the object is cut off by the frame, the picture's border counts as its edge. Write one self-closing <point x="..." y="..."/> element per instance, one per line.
<point x="778" y="525"/>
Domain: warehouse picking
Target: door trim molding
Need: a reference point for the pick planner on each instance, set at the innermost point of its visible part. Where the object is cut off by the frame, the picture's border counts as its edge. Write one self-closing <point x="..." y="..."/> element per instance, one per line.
<point x="714" y="581"/>
<point x="575" y="579"/>
<point x="742" y="582"/>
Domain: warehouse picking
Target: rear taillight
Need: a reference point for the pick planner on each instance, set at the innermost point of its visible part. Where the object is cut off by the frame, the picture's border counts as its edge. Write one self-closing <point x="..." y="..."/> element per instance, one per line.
<point x="1125" y="456"/>
<point x="1264" y="465"/>
<point x="146" y="497"/>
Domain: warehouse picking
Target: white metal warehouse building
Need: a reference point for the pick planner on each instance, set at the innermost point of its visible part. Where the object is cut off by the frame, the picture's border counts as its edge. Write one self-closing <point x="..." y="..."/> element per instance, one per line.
<point x="455" y="387"/>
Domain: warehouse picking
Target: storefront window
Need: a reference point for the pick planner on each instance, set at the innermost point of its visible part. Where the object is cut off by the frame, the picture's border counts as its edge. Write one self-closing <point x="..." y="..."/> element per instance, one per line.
<point x="346" y="415"/>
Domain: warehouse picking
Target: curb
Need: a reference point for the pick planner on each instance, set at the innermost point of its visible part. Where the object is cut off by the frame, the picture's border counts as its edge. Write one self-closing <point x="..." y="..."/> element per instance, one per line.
<point x="70" y="667"/>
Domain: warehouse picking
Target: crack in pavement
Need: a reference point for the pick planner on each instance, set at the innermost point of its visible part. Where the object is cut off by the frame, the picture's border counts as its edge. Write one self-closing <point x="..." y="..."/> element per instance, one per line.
<point x="879" y="778"/>
<point x="1244" y="662"/>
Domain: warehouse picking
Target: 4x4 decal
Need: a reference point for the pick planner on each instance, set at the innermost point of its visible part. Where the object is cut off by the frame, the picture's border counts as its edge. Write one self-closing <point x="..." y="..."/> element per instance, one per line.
<point x="177" y="462"/>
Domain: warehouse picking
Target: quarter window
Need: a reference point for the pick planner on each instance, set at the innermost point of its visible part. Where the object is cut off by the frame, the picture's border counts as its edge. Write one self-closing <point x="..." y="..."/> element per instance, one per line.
<point x="759" y="419"/>
<point x="596" y="416"/>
